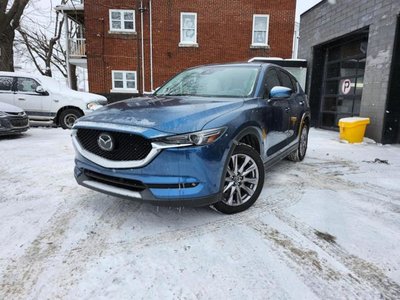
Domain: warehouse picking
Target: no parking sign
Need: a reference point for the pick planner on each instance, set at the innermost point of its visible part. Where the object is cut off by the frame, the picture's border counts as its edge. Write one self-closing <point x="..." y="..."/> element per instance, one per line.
<point x="346" y="86"/>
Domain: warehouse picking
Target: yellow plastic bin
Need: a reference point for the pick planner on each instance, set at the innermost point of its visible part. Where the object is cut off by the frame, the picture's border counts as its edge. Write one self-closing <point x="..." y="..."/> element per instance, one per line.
<point x="353" y="129"/>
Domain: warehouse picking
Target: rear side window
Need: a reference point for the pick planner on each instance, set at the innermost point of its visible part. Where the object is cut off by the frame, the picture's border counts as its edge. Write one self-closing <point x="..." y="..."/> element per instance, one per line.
<point x="271" y="81"/>
<point x="6" y="83"/>
<point x="27" y="85"/>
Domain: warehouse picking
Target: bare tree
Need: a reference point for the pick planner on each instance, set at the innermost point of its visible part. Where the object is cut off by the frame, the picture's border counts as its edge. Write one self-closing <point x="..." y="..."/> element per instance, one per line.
<point x="10" y="15"/>
<point x="45" y="51"/>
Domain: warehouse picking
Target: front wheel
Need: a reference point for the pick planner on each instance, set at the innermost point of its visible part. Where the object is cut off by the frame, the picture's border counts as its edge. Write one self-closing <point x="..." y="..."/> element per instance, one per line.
<point x="68" y="117"/>
<point x="244" y="179"/>
<point x="300" y="152"/>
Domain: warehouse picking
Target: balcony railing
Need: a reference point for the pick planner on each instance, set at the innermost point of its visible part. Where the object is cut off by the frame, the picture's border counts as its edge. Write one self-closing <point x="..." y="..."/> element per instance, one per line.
<point x="77" y="47"/>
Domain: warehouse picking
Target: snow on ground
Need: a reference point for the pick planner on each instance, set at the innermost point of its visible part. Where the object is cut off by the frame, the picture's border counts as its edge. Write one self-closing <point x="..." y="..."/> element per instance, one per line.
<point x="326" y="228"/>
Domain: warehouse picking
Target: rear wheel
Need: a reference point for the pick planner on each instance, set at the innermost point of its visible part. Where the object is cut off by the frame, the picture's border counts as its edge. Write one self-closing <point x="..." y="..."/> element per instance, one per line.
<point x="244" y="178"/>
<point x="300" y="152"/>
<point x="68" y="117"/>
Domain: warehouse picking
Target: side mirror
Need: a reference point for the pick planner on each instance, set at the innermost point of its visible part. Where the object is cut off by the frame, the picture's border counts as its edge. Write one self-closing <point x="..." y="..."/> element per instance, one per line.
<point x="41" y="90"/>
<point x="280" y="92"/>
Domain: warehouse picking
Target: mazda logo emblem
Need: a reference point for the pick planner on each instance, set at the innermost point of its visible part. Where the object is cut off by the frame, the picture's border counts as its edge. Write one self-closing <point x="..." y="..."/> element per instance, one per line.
<point x="105" y="142"/>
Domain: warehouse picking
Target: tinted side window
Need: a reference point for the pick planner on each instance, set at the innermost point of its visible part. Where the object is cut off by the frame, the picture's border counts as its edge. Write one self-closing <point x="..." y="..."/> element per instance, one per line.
<point x="27" y="85"/>
<point x="271" y="81"/>
<point x="6" y="83"/>
<point x="285" y="80"/>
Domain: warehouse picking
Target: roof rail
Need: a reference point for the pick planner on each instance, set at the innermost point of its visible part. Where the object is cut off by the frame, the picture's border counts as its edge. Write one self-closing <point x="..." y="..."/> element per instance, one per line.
<point x="264" y="59"/>
<point x="296" y="63"/>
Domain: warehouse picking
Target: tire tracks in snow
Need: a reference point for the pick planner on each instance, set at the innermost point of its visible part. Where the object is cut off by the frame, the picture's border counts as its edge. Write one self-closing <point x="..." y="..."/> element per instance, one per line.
<point x="365" y="271"/>
<point x="318" y="274"/>
<point x="19" y="277"/>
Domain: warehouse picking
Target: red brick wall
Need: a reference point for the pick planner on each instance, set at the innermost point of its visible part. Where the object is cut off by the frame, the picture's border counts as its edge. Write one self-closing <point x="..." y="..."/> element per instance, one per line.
<point x="107" y="51"/>
<point x="224" y="33"/>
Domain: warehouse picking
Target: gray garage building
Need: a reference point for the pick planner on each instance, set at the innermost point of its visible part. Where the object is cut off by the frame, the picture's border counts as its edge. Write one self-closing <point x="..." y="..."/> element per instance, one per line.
<point x="353" y="50"/>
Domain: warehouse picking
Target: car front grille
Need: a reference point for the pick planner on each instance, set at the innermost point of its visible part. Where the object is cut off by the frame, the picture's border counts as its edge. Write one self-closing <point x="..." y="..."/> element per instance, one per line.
<point x="19" y="122"/>
<point x="127" y="147"/>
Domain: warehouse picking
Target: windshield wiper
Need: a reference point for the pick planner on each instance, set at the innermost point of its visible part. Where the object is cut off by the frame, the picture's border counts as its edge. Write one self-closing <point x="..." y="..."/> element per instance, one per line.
<point x="168" y="94"/>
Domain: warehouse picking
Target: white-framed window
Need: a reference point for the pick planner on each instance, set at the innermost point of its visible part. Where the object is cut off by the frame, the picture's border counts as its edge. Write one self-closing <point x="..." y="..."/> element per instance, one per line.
<point x="124" y="81"/>
<point x="122" y="20"/>
<point x="260" y="30"/>
<point x="188" y="29"/>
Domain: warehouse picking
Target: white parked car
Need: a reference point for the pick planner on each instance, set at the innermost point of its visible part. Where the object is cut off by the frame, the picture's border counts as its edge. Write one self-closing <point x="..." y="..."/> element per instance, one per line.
<point x="45" y="99"/>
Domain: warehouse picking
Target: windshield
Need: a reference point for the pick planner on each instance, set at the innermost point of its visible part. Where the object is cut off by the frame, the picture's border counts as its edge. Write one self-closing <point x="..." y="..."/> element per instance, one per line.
<point x="212" y="81"/>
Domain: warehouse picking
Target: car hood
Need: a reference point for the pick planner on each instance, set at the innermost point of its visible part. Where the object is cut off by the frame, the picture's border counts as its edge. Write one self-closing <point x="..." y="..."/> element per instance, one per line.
<point x="167" y="114"/>
<point x="82" y="96"/>
<point x="9" y="108"/>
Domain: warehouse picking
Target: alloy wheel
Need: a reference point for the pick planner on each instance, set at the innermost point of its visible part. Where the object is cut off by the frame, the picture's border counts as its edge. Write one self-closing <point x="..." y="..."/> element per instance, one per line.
<point x="241" y="180"/>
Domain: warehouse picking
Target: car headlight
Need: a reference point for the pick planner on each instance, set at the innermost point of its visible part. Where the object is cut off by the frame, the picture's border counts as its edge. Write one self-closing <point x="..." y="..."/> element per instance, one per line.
<point x="93" y="105"/>
<point x="199" y="138"/>
<point x="2" y="113"/>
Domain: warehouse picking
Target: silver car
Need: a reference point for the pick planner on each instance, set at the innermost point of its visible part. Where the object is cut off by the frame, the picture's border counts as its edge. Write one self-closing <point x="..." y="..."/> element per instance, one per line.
<point x="13" y="119"/>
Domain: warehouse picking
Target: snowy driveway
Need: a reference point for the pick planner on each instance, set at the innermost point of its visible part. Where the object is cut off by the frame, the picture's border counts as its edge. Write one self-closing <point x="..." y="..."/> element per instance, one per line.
<point x="326" y="228"/>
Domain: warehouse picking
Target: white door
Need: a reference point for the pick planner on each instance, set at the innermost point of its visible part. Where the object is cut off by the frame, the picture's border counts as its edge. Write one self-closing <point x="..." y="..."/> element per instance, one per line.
<point x="6" y="90"/>
<point x="27" y="98"/>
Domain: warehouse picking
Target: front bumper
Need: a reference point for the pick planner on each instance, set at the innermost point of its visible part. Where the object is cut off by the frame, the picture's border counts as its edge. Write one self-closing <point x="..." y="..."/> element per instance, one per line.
<point x="13" y="124"/>
<point x="187" y="176"/>
<point x="145" y="195"/>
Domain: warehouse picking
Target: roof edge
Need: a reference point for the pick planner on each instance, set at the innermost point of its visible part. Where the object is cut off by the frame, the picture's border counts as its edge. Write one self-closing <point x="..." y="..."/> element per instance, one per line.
<point x="311" y="8"/>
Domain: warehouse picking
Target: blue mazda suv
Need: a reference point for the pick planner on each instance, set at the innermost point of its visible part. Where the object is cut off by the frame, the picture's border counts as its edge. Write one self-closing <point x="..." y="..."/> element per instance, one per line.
<point x="203" y="138"/>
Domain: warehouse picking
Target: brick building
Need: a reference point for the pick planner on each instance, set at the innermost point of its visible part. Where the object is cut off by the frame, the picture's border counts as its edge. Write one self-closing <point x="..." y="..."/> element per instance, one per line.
<point x="133" y="46"/>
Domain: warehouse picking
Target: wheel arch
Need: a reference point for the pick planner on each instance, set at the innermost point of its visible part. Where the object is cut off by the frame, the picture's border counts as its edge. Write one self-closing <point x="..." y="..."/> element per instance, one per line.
<point x="251" y="136"/>
<point x="305" y="119"/>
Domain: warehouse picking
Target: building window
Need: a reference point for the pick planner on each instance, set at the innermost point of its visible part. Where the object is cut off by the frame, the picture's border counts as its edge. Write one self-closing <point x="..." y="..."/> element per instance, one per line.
<point x="124" y="81"/>
<point x="122" y="20"/>
<point x="188" y="29"/>
<point x="260" y="30"/>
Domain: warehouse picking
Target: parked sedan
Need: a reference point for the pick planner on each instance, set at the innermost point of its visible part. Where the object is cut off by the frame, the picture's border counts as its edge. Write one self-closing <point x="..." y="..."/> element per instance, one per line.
<point x="12" y="119"/>
<point x="203" y="138"/>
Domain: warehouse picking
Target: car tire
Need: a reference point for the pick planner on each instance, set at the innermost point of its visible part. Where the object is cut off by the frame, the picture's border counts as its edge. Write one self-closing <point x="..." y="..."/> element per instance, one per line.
<point x="68" y="117"/>
<point x="244" y="178"/>
<point x="300" y="152"/>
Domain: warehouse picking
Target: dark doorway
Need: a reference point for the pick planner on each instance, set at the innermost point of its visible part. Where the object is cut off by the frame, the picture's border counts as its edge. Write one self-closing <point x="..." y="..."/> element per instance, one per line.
<point x="343" y="80"/>
<point x="391" y="133"/>
<point x="317" y="74"/>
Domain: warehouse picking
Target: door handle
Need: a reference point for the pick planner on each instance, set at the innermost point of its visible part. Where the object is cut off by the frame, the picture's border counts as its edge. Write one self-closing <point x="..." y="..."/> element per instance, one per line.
<point x="301" y="103"/>
<point x="22" y="99"/>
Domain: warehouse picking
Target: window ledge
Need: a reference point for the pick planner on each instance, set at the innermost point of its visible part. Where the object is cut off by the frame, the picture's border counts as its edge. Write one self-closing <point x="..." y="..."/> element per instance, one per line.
<point x="124" y="91"/>
<point x="122" y="32"/>
<point x="189" y="45"/>
<point x="255" y="46"/>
